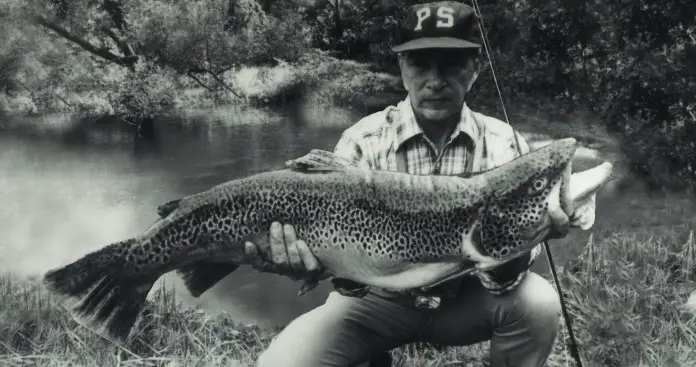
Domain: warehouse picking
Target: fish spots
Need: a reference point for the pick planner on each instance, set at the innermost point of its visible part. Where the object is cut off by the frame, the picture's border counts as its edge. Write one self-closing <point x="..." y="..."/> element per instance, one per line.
<point x="506" y="219"/>
<point x="364" y="220"/>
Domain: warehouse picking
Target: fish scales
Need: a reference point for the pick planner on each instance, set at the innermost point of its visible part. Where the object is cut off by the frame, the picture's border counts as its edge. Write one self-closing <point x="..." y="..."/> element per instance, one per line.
<point x="385" y="229"/>
<point x="383" y="219"/>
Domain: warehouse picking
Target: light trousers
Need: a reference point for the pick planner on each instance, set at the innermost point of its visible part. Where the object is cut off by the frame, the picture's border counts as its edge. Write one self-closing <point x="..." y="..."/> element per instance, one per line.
<point x="346" y="331"/>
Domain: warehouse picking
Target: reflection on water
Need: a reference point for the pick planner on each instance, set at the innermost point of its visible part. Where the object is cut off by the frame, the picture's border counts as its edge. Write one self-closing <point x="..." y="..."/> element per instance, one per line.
<point x="60" y="200"/>
<point x="63" y="195"/>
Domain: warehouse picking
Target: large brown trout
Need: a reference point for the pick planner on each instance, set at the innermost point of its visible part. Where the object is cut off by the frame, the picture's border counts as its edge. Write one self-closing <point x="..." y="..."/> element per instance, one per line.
<point x="379" y="228"/>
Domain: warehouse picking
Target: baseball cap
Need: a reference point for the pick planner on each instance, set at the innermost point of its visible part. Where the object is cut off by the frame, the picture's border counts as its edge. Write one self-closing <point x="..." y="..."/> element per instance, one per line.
<point x="443" y="24"/>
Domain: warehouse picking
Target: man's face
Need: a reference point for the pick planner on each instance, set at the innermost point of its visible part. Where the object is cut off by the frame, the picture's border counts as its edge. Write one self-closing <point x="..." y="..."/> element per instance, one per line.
<point x="438" y="80"/>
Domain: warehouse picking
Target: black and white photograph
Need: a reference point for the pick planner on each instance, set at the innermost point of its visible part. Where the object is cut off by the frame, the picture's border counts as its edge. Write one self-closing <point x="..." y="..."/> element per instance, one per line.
<point x="348" y="183"/>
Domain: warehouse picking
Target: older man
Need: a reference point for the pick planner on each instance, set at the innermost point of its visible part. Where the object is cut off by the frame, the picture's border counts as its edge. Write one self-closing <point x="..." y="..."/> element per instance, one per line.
<point x="432" y="131"/>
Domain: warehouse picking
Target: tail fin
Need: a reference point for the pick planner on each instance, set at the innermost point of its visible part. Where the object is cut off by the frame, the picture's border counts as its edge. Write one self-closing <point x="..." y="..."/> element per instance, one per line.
<point x="98" y="295"/>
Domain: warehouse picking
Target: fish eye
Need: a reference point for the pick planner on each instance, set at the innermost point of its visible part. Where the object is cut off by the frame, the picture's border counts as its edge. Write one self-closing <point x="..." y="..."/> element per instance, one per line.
<point x="538" y="185"/>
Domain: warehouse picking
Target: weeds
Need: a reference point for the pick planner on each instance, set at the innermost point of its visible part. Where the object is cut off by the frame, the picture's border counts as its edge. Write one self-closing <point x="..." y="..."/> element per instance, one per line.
<point x="624" y="294"/>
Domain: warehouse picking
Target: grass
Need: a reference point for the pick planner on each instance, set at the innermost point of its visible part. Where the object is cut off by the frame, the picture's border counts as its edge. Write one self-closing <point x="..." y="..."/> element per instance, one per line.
<point x="624" y="291"/>
<point x="624" y="287"/>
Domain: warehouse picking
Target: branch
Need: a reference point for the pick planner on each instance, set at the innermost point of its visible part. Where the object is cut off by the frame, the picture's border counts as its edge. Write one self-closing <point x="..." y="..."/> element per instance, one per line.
<point x="127" y="61"/>
<point x="216" y="77"/>
<point x="120" y="43"/>
<point x="190" y="75"/>
<point x="224" y="85"/>
<point x="113" y="7"/>
<point x="115" y="10"/>
<point x="52" y="92"/>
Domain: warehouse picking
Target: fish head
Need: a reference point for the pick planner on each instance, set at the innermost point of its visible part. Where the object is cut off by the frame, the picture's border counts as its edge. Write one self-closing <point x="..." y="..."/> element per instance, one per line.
<point x="516" y="215"/>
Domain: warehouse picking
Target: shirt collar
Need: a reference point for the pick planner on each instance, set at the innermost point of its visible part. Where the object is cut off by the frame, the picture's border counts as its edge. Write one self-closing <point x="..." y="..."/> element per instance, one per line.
<point x="407" y="127"/>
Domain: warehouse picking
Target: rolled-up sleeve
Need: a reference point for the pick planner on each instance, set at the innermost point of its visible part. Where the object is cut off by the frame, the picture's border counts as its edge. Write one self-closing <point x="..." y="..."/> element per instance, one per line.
<point x="350" y="148"/>
<point x="347" y="147"/>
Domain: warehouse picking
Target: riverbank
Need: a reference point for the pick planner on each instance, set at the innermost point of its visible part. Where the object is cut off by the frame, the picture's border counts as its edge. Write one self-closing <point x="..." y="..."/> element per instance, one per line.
<point x="624" y="291"/>
<point x="115" y="92"/>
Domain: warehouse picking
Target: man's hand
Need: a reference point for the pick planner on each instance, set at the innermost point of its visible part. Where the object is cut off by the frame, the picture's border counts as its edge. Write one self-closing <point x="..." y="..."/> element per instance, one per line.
<point x="290" y="256"/>
<point x="564" y="212"/>
<point x="561" y="206"/>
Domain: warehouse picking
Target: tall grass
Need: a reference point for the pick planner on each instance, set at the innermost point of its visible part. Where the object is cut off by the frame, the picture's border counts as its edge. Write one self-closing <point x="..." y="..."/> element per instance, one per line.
<point x="624" y="292"/>
<point x="625" y="288"/>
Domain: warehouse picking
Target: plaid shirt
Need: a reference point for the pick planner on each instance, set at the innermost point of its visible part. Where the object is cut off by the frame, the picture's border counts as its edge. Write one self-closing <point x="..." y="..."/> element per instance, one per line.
<point x="478" y="142"/>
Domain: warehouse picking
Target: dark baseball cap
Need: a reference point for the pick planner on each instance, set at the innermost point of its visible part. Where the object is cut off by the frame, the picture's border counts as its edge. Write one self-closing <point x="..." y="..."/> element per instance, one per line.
<point x="443" y="24"/>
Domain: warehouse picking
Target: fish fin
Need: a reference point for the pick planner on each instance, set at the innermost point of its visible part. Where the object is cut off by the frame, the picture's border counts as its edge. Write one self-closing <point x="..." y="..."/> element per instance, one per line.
<point x="97" y="296"/>
<point x="203" y="275"/>
<point x="319" y="160"/>
<point x="167" y="208"/>
<point x="307" y="285"/>
<point x="468" y="269"/>
<point x="311" y="281"/>
<point x="350" y="288"/>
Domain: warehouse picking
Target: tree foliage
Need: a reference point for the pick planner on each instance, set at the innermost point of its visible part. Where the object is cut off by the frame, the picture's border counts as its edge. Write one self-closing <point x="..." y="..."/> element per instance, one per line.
<point x="629" y="61"/>
<point x="135" y="53"/>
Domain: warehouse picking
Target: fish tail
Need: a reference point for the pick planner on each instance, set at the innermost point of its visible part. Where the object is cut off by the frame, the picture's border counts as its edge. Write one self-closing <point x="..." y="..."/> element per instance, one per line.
<point x="99" y="293"/>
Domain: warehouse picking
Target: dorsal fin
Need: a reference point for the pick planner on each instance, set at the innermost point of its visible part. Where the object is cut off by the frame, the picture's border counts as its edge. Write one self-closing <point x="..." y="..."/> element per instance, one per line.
<point x="167" y="208"/>
<point x="319" y="160"/>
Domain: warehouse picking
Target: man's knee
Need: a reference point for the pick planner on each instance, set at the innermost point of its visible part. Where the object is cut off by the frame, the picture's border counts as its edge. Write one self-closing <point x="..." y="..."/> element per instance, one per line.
<point x="529" y="325"/>
<point x="296" y="343"/>
<point x="539" y="303"/>
<point x="275" y="355"/>
<point x="323" y="336"/>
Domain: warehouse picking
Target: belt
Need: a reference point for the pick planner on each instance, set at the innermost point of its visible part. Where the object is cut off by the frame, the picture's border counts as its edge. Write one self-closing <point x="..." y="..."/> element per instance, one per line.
<point x="430" y="299"/>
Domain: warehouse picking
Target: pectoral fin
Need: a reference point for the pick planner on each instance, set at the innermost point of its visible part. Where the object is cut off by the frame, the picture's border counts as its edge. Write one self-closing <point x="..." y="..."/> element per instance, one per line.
<point x="311" y="281"/>
<point x="467" y="268"/>
<point x="203" y="275"/>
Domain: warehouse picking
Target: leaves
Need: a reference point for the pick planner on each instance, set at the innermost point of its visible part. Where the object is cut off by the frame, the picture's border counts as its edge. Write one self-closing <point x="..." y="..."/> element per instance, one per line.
<point x="628" y="61"/>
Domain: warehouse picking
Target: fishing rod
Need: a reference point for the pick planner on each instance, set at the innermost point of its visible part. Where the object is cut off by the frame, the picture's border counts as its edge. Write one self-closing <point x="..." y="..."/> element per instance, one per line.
<point x="566" y="316"/>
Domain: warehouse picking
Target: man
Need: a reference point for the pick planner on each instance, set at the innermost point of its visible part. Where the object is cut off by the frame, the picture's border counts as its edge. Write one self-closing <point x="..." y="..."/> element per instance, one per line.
<point x="432" y="131"/>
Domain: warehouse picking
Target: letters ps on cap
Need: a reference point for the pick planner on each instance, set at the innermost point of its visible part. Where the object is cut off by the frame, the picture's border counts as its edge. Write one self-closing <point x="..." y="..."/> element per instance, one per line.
<point x="446" y="24"/>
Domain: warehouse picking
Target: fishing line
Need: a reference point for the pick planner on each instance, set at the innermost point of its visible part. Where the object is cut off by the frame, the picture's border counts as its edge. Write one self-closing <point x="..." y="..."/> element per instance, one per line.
<point x="566" y="316"/>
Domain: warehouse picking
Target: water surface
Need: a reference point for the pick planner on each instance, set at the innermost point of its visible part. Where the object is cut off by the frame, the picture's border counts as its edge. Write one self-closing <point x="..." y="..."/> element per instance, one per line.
<point x="63" y="195"/>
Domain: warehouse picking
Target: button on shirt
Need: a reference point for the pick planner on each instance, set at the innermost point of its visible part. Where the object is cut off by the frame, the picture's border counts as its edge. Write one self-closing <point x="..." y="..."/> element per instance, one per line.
<point x="479" y="142"/>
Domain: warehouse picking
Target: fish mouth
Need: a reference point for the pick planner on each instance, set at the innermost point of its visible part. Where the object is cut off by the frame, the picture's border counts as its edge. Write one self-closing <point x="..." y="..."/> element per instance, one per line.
<point x="537" y="234"/>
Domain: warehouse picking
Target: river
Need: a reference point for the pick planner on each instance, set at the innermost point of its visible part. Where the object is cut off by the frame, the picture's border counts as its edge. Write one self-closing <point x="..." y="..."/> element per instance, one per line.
<point x="64" y="194"/>
<point x="69" y="187"/>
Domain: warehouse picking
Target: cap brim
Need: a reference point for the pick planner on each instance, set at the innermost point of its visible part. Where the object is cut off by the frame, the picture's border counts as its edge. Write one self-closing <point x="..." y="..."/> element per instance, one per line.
<point x="434" y="42"/>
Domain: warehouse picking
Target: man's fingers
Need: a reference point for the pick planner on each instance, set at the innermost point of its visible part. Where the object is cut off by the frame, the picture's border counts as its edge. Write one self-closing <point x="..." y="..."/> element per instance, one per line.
<point x="565" y="194"/>
<point x="253" y="258"/>
<point x="310" y="262"/>
<point x="560" y="223"/>
<point x="250" y="251"/>
<point x="277" y="241"/>
<point x="293" y="252"/>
